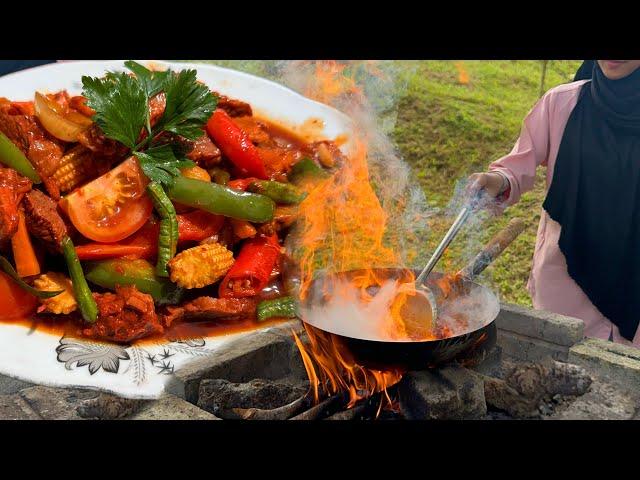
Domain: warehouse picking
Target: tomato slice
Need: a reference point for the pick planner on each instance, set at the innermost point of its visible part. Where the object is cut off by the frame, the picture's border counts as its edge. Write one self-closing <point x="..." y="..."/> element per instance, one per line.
<point x="16" y="303"/>
<point x="112" y="206"/>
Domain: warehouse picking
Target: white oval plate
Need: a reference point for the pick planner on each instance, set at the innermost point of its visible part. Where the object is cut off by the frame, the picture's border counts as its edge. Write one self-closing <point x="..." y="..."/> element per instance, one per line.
<point x="135" y="371"/>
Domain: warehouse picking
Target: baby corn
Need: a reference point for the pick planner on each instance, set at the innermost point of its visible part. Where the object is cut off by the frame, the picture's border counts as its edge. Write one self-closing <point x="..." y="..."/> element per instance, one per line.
<point x="60" y="304"/>
<point x="200" y="266"/>
<point x="75" y="167"/>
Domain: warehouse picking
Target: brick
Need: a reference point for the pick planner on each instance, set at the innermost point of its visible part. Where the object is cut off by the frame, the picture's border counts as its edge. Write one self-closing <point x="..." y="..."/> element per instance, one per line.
<point x="450" y="393"/>
<point x="170" y="407"/>
<point x="530" y="349"/>
<point x="616" y="363"/>
<point x="258" y="355"/>
<point x="540" y="324"/>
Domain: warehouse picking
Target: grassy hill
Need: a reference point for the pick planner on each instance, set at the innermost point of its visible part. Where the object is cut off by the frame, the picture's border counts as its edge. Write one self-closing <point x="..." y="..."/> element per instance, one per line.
<point x="447" y="130"/>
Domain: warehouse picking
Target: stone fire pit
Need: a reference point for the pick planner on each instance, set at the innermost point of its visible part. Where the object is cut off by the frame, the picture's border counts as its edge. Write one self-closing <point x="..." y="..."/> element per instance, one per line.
<point x="541" y="368"/>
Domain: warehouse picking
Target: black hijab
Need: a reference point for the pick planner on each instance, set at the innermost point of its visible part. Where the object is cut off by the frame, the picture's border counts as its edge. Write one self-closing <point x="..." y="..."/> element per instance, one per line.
<point x="585" y="71"/>
<point x="595" y="196"/>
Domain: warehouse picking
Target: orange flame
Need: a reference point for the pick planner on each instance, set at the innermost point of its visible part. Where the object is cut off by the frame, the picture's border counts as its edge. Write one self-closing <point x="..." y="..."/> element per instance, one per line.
<point x="337" y="371"/>
<point x="342" y="228"/>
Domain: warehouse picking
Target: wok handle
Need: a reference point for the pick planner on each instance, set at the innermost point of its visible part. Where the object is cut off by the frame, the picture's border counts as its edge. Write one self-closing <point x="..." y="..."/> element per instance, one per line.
<point x="494" y="248"/>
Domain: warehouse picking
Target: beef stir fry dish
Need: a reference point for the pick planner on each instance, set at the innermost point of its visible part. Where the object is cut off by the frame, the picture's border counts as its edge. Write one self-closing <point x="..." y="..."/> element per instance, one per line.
<point x="145" y="204"/>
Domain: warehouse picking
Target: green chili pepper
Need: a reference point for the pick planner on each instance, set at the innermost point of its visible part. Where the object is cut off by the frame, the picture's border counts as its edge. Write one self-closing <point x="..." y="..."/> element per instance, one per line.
<point x="137" y="272"/>
<point x="306" y="168"/>
<point x="278" y="192"/>
<point x="9" y="270"/>
<point x="220" y="200"/>
<point x="13" y="157"/>
<point x="219" y="175"/>
<point x="86" y="303"/>
<point x="284" y="307"/>
<point x="168" y="237"/>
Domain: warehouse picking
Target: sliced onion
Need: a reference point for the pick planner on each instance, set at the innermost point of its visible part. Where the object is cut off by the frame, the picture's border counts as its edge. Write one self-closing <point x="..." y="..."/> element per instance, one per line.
<point x="77" y="117"/>
<point x="56" y="124"/>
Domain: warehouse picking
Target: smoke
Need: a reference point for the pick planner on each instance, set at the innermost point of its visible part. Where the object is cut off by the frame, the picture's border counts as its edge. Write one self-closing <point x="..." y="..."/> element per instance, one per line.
<point x="369" y="95"/>
<point x="470" y="239"/>
<point x="367" y="319"/>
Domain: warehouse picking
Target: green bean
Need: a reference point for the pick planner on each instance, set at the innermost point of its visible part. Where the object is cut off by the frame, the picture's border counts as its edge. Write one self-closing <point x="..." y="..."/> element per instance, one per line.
<point x="137" y="272"/>
<point x="13" y="157"/>
<point x="86" y="303"/>
<point x="306" y="168"/>
<point x="284" y="307"/>
<point x="168" y="237"/>
<point x="214" y="198"/>
<point x="279" y="192"/>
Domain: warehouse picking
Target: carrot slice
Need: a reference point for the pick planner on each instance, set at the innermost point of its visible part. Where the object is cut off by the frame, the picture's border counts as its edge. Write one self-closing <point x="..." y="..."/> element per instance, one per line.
<point x="23" y="252"/>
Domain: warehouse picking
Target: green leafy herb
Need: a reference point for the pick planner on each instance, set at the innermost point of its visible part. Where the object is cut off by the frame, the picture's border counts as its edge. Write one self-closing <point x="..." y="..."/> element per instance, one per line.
<point x="160" y="163"/>
<point x="189" y="105"/>
<point x="121" y="104"/>
<point x="152" y="81"/>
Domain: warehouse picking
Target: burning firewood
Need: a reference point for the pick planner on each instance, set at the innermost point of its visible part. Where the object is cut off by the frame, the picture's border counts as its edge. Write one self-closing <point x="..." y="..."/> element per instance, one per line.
<point x="281" y="413"/>
<point x="324" y="408"/>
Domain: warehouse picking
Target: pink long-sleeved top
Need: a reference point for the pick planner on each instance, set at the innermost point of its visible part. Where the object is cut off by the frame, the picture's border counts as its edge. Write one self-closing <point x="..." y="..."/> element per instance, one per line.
<point x="549" y="284"/>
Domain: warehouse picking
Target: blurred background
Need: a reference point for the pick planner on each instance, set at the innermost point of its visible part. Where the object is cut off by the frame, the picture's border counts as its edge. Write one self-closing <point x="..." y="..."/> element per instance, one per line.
<point x="452" y="118"/>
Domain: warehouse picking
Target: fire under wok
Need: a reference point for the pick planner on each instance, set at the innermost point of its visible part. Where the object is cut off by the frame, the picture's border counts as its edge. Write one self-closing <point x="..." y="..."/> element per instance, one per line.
<point x="464" y="330"/>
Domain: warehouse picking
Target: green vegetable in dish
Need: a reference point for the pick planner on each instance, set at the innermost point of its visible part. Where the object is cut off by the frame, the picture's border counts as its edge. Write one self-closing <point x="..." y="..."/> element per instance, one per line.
<point x="12" y="156"/>
<point x="219" y="175"/>
<point x="283" y="307"/>
<point x="221" y="200"/>
<point x="86" y="303"/>
<point x="9" y="270"/>
<point x="277" y="191"/>
<point x="306" y="168"/>
<point x="168" y="237"/>
<point x="138" y="272"/>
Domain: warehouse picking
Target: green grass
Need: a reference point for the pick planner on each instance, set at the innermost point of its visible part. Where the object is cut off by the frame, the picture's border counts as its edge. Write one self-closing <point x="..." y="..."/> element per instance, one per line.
<point x="447" y="130"/>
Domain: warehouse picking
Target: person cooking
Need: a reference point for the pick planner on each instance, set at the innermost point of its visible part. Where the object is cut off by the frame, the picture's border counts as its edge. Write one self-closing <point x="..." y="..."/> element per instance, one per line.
<point x="586" y="262"/>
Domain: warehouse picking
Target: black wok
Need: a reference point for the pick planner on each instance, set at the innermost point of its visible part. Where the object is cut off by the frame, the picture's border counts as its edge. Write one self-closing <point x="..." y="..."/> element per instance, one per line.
<point x="469" y="314"/>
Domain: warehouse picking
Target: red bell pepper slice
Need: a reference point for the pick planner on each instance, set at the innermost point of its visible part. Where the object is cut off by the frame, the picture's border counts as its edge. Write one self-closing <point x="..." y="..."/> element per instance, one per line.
<point x="192" y="226"/>
<point x="235" y="144"/>
<point x="251" y="271"/>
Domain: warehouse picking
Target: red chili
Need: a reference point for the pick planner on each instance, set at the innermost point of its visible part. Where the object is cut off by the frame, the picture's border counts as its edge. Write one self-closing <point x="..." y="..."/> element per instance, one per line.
<point x="192" y="226"/>
<point x="252" y="269"/>
<point x="235" y="144"/>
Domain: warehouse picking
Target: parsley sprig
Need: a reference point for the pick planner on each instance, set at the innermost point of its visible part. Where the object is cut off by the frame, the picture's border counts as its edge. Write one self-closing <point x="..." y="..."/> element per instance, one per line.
<point x="122" y="112"/>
